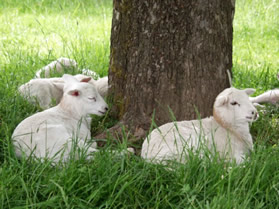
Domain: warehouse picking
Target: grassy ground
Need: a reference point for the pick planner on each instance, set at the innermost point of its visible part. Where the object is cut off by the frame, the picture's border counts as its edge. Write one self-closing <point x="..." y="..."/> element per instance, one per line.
<point x="33" y="33"/>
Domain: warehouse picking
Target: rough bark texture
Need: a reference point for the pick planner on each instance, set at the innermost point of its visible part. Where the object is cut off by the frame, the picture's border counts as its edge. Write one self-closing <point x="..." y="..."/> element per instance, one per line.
<point x="171" y="53"/>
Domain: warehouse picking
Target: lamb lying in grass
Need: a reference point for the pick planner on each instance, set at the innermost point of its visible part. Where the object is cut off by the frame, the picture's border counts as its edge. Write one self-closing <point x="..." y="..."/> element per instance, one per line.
<point x="227" y="132"/>
<point x="49" y="133"/>
<point x="271" y="96"/>
<point x="47" y="91"/>
<point x="102" y="86"/>
<point x="56" y="66"/>
<point x="90" y="73"/>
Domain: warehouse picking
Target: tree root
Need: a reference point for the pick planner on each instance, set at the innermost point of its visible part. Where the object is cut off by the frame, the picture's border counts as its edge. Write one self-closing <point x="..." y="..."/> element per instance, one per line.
<point x="121" y="132"/>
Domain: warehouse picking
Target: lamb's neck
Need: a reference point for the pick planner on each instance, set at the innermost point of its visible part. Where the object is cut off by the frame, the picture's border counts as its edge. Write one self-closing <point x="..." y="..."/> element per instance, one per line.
<point x="239" y="130"/>
<point x="69" y="110"/>
<point x="69" y="115"/>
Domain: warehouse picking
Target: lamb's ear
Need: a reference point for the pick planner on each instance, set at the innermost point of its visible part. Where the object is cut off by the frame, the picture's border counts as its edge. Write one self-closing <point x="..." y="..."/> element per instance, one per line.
<point x="249" y="91"/>
<point x="74" y="92"/>
<point x="221" y="100"/>
<point x="59" y="85"/>
<point x="69" y="78"/>
<point x="86" y="80"/>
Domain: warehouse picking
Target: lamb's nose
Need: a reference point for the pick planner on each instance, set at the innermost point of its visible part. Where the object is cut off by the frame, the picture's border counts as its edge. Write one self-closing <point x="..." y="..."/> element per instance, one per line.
<point x="106" y="108"/>
<point x="253" y="112"/>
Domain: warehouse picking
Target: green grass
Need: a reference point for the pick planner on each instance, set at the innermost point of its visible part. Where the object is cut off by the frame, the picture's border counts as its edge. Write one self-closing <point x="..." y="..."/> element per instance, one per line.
<point x="256" y="44"/>
<point x="33" y="33"/>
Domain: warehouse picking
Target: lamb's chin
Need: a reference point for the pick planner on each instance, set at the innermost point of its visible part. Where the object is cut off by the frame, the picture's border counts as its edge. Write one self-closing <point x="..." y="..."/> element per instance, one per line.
<point x="250" y="119"/>
<point x="99" y="113"/>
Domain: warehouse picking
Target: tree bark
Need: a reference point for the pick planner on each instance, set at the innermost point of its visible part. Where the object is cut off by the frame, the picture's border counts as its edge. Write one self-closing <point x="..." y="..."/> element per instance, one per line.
<point x="171" y="54"/>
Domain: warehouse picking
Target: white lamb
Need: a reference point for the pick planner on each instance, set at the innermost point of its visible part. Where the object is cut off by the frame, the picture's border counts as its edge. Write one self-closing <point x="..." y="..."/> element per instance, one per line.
<point x="45" y="91"/>
<point x="91" y="73"/>
<point x="49" y="133"/>
<point x="56" y="66"/>
<point x="102" y="86"/>
<point x="227" y="132"/>
<point x="271" y="96"/>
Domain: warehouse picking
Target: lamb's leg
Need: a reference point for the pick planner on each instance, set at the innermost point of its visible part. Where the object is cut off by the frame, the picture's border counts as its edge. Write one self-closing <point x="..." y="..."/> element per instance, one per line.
<point x="271" y="96"/>
<point x="89" y="150"/>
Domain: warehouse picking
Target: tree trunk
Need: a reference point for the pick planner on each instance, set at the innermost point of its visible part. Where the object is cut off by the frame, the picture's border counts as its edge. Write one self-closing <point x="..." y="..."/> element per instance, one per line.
<point x="168" y="54"/>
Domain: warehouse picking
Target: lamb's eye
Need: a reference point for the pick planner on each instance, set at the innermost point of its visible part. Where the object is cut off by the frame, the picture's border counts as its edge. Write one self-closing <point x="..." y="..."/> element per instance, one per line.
<point x="234" y="103"/>
<point x="93" y="98"/>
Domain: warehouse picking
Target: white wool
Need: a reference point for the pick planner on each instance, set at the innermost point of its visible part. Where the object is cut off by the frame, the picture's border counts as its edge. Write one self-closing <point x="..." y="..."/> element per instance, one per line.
<point x="227" y="132"/>
<point x="43" y="90"/>
<point x="102" y="86"/>
<point x="91" y="73"/>
<point x="56" y="66"/>
<point x="46" y="90"/>
<point x="271" y="96"/>
<point x="46" y="133"/>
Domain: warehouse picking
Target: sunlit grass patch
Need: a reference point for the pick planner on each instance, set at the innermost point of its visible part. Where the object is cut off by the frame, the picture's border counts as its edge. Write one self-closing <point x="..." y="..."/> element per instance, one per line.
<point x="256" y="44"/>
<point x="45" y="35"/>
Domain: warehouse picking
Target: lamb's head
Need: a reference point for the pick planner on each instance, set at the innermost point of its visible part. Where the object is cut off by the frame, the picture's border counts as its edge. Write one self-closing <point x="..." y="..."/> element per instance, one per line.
<point x="232" y="107"/>
<point x="82" y="97"/>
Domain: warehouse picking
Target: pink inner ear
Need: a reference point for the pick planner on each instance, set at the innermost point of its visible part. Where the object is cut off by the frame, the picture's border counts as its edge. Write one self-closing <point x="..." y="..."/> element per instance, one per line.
<point x="86" y="80"/>
<point x="75" y="93"/>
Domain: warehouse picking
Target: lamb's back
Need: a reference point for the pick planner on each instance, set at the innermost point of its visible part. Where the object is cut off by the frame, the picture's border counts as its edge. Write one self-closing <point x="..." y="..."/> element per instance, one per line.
<point x="171" y="140"/>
